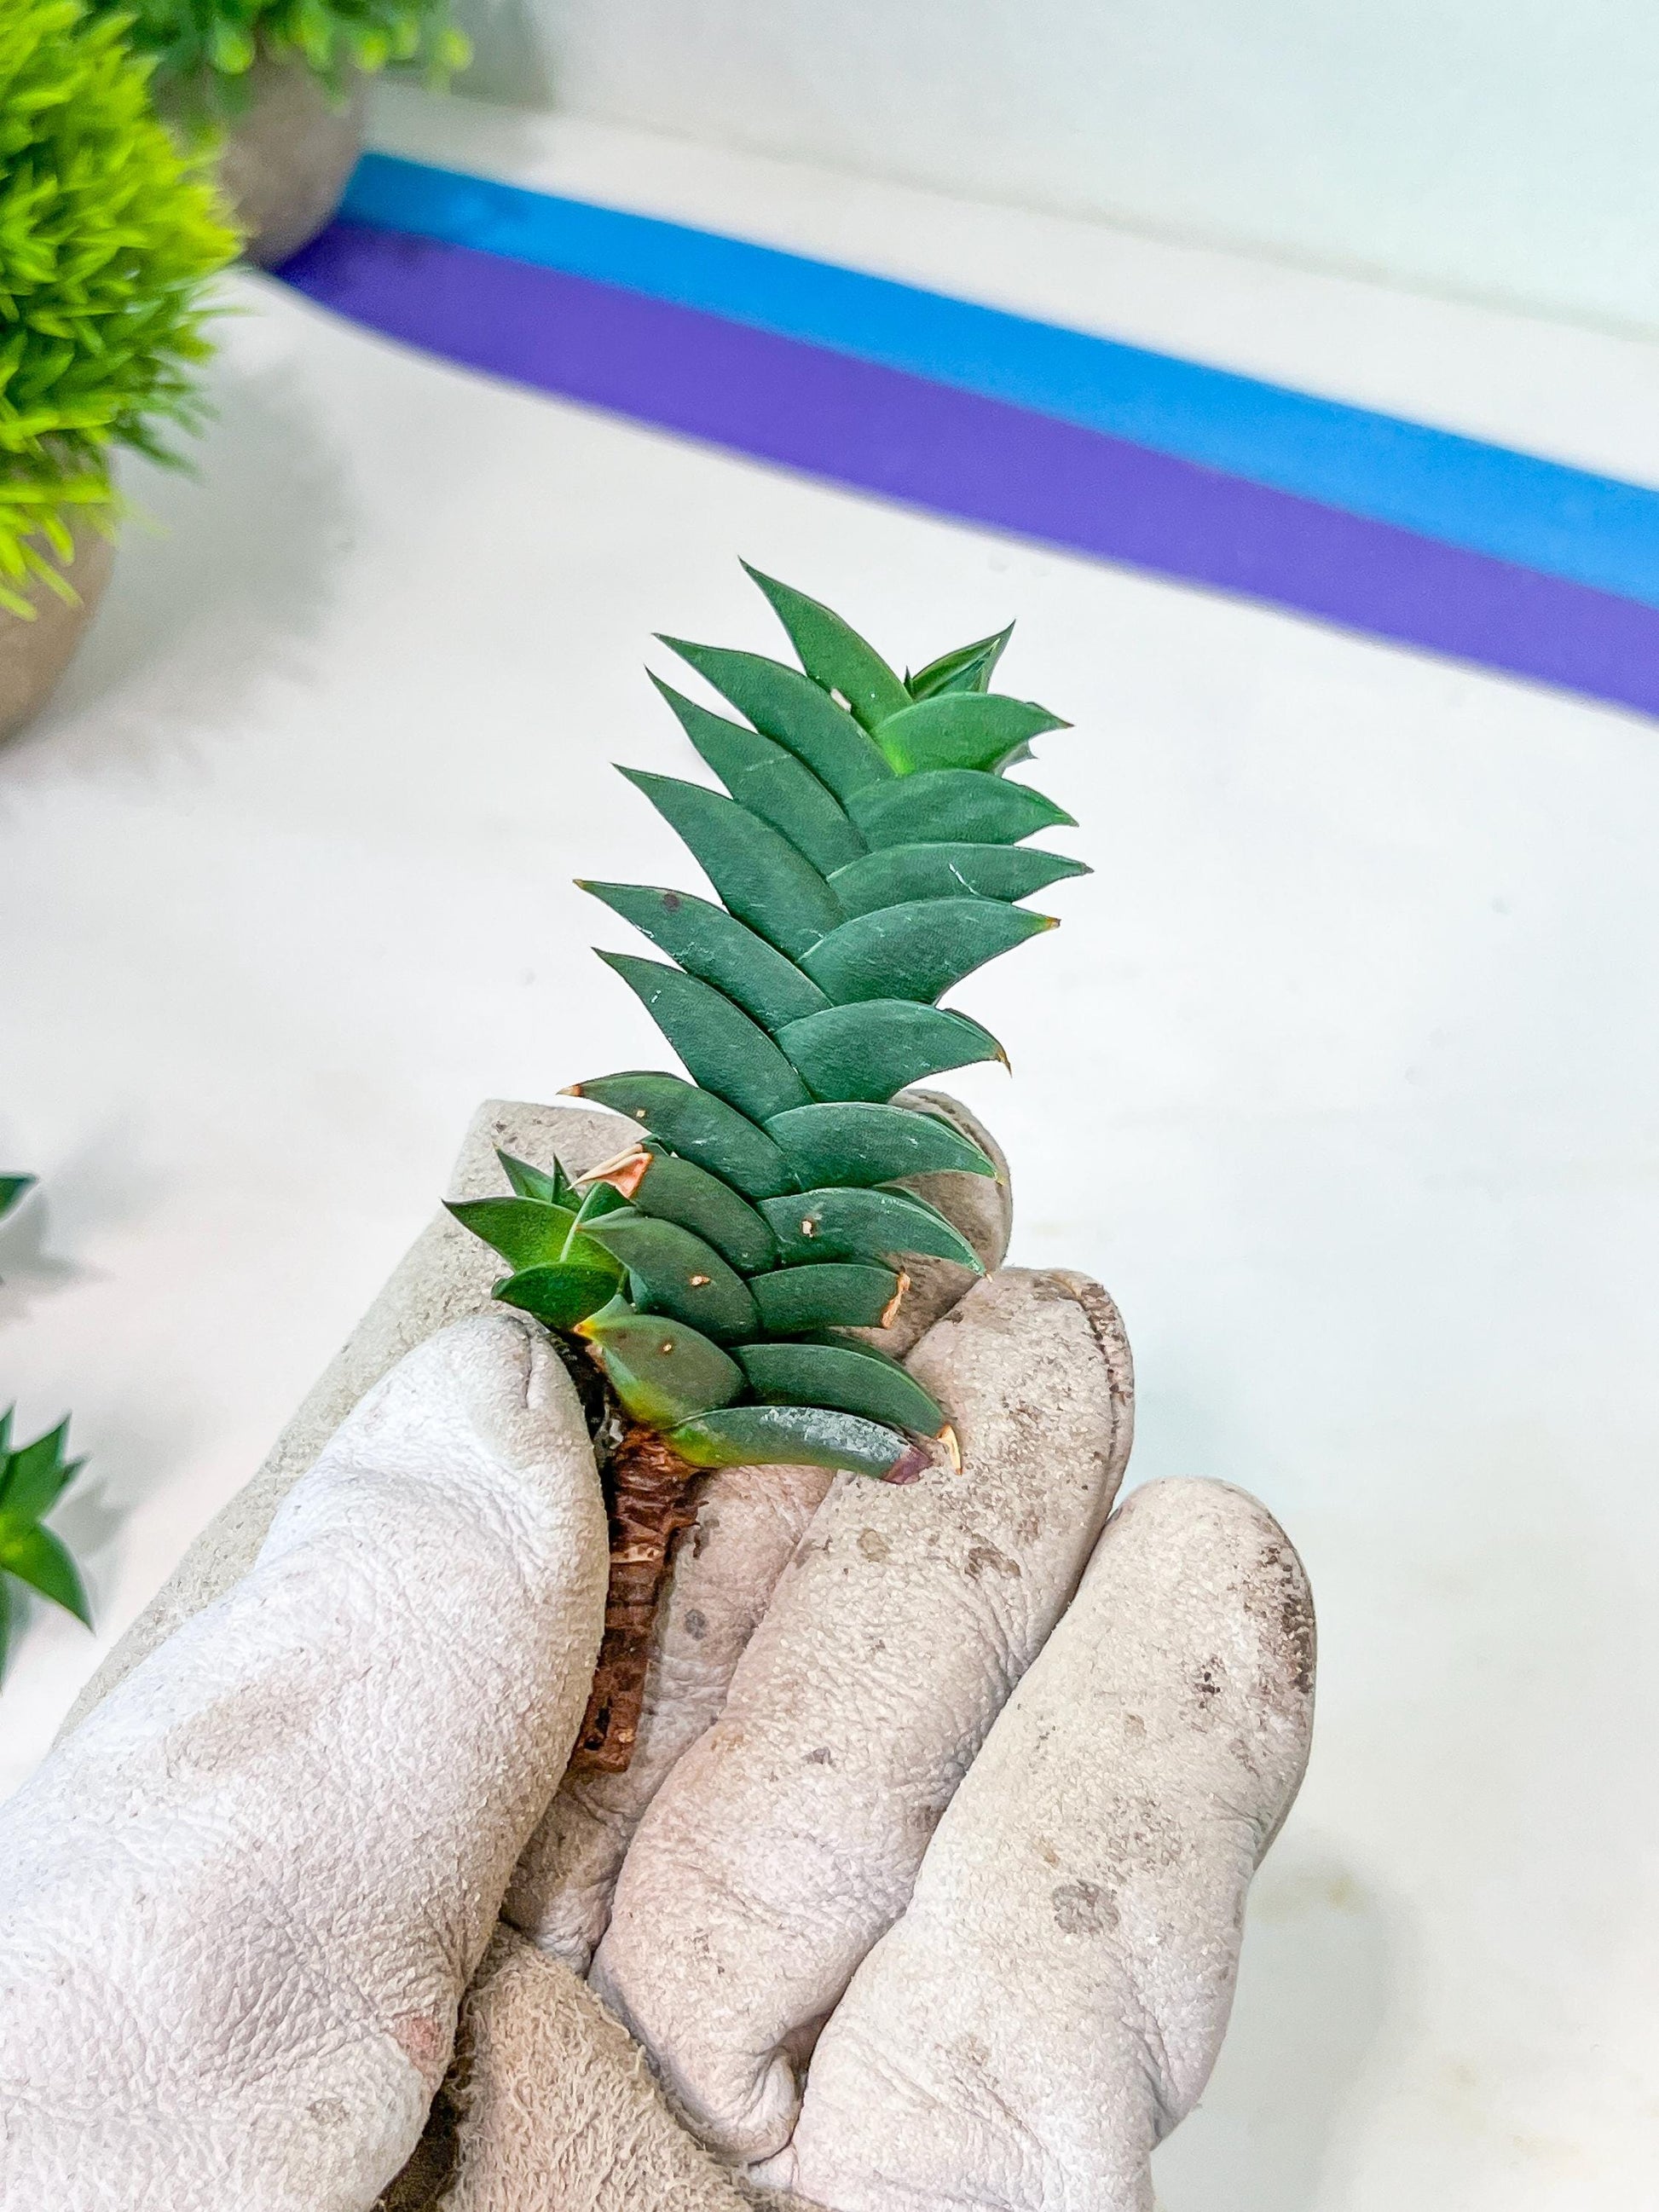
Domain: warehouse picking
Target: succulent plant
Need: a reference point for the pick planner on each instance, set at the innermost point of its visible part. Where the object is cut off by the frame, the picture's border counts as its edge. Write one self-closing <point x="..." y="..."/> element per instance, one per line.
<point x="869" y="851"/>
<point x="33" y="1478"/>
<point x="108" y="235"/>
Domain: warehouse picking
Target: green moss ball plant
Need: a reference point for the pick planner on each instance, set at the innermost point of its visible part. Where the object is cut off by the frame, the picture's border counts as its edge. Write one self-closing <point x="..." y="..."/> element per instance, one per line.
<point x="109" y="235"/>
<point x="211" y="47"/>
<point x="277" y="85"/>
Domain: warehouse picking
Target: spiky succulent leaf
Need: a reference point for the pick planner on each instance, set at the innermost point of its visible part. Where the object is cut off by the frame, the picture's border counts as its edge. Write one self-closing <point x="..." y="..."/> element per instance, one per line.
<point x="963" y="729"/>
<point x="958" y="804"/>
<point x="784" y="704"/>
<point x="714" y="945"/>
<point x="839" y="1224"/>
<point x="793" y="1300"/>
<point x="657" y="1182"/>
<point x="812" y="1435"/>
<point x="758" y="873"/>
<point x="528" y="1232"/>
<point x="726" y="1052"/>
<point x="674" y="1271"/>
<point x="849" y="1377"/>
<point x="561" y="1295"/>
<point x="663" y="1371"/>
<point x="868" y="854"/>
<point x="766" y="778"/>
<point x="881" y="1045"/>
<point x="919" y="949"/>
<point x="12" y="1187"/>
<point x="833" y="653"/>
<point x="33" y="1478"/>
<point x="969" y="668"/>
<point x="697" y="1125"/>
<point x="947" y="871"/>
<point x="37" y="1558"/>
<point x="552" y="1184"/>
<point x="861" y="1145"/>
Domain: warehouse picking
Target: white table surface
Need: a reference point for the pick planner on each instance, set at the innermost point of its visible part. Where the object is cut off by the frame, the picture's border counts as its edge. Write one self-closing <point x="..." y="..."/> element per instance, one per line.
<point x="1343" y="1073"/>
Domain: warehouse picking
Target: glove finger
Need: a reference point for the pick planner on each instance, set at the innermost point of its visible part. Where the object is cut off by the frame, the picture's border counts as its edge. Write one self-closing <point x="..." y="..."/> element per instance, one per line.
<point x="1053" y="1998"/>
<point x="244" y="1898"/>
<point x="553" y="2109"/>
<point x="787" y="1839"/>
<point x="748" y="1523"/>
<point x="446" y="1275"/>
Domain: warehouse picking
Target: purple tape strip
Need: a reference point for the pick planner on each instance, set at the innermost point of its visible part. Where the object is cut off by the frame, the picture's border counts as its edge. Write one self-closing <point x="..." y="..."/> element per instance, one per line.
<point x="981" y="459"/>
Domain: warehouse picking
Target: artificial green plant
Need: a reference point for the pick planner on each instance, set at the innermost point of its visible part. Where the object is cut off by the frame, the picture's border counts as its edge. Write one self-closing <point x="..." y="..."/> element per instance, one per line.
<point x="203" y="49"/>
<point x="108" y="236"/>
<point x="33" y="1478"/>
<point x="870" y="852"/>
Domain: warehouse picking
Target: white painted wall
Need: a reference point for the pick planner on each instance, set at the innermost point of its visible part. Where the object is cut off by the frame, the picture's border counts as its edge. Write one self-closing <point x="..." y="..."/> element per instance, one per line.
<point x="1503" y="148"/>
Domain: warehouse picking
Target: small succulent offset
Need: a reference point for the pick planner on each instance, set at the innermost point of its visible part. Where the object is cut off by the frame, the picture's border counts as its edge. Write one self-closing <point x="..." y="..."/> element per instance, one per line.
<point x="108" y="235"/>
<point x="870" y="854"/>
<point x="33" y="1478"/>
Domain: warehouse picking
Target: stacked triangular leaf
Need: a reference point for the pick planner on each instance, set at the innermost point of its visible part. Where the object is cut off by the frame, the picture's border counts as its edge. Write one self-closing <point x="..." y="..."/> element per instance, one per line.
<point x="868" y="850"/>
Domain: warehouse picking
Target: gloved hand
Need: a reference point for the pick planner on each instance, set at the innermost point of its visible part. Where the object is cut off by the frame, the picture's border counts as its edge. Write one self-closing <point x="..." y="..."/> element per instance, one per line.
<point x="970" y="1805"/>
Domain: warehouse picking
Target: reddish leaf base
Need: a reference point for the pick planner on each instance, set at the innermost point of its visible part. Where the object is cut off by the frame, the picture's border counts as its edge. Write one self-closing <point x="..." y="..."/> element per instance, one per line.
<point x="649" y="1490"/>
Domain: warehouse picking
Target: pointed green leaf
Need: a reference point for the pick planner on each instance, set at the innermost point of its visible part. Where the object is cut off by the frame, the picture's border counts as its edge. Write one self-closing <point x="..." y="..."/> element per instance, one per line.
<point x="676" y="1273"/>
<point x="834" y="654"/>
<point x="796" y="1436"/>
<point x="864" y="1224"/>
<point x="5" y="1622"/>
<point x="963" y="729"/>
<point x="907" y="873"/>
<point x="969" y="668"/>
<point x="673" y="1189"/>
<point x="873" y="1050"/>
<point x="965" y="803"/>
<point x="35" y="1476"/>
<point x="766" y="778"/>
<point x="863" y="1145"/>
<point x="784" y="704"/>
<point x="551" y="1184"/>
<point x="724" y="1050"/>
<point x="914" y="951"/>
<point x="793" y="1300"/>
<point x="597" y="1199"/>
<point x="37" y="1558"/>
<point x="663" y="1370"/>
<point x="12" y="1187"/>
<point x="561" y="1295"/>
<point x="527" y="1233"/>
<point x="697" y="1125"/>
<point x="849" y="1377"/>
<point x="757" y="872"/>
<point x="714" y="945"/>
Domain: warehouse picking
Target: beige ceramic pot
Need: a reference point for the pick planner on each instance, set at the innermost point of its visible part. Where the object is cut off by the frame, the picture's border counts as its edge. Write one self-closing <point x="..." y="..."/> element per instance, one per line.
<point x="288" y="156"/>
<point x="34" y="654"/>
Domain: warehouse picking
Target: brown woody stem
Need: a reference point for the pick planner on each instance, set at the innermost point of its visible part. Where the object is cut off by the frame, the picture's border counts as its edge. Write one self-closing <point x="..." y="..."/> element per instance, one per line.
<point x="649" y="1491"/>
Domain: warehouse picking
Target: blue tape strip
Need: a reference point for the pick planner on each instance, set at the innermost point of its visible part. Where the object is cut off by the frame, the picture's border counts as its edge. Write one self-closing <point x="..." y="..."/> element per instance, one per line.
<point x="1562" y="521"/>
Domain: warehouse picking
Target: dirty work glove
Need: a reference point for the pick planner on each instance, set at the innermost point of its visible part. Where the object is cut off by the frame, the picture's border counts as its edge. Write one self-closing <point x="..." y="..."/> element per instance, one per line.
<point x="249" y="1891"/>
